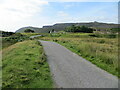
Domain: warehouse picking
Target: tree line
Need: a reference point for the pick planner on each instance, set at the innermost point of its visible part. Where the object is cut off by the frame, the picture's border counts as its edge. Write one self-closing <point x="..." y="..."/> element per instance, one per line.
<point x="6" y="34"/>
<point x="75" y="29"/>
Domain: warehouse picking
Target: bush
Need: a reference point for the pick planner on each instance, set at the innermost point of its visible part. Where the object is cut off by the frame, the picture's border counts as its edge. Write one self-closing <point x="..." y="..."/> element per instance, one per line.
<point x="102" y="41"/>
<point x="75" y="29"/>
<point x="115" y="30"/>
<point x="6" y="34"/>
<point x="112" y="36"/>
<point x="13" y="39"/>
<point x="29" y="31"/>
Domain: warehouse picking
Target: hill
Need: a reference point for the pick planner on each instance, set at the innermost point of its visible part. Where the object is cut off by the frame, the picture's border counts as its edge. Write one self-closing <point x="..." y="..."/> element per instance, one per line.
<point x="61" y="26"/>
<point x="21" y="30"/>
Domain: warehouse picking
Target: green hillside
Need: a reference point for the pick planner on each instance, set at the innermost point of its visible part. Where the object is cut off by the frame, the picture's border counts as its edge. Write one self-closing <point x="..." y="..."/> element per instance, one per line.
<point x="63" y="26"/>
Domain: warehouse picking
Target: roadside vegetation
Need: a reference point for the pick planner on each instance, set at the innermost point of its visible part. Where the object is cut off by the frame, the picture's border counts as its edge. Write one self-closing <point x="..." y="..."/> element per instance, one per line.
<point x="12" y="39"/>
<point x="100" y="49"/>
<point x="24" y="66"/>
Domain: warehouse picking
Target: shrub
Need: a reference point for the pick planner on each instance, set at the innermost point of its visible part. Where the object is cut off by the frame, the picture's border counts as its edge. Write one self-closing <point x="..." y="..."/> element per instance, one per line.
<point x="75" y="29"/>
<point x="102" y="41"/>
<point x="112" y="36"/>
<point x="29" y="31"/>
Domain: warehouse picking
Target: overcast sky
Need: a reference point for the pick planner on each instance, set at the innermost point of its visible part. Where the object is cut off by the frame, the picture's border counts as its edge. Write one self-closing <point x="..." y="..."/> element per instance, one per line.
<point x="15" y="14"/>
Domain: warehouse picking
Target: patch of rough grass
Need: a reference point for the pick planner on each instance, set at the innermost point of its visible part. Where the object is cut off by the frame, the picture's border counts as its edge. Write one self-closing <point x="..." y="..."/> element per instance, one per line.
<point x="25" y="66"/>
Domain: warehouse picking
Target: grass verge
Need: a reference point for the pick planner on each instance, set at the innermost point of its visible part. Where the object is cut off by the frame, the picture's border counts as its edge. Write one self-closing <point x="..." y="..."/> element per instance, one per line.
<point x="24" y="66"/>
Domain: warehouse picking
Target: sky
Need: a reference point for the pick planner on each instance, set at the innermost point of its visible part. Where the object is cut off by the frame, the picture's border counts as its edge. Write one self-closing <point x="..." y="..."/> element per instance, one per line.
<point x="15" y="14"/>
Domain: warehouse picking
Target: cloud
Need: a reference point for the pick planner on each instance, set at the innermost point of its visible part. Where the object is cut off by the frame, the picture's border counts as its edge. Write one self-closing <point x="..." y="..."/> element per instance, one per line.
<point x="99" y="19"/>
<point x="68" y="6"/>
<point x="83" y="0"/>
<point x="14" y="11"/>
<point x="21" y="8"/>
<point x="62" y="14"/>
<point x="64" y="17"/>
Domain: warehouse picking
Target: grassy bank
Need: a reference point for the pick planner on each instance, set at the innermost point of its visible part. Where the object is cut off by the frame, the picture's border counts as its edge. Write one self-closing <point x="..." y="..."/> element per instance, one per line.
<point x="24" y="66"/>
<point x="8" y="41"/>
<point x="100" y="51"/>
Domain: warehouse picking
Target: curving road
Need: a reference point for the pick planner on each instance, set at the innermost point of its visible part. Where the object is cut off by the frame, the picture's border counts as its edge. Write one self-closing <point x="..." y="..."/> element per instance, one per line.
<point x="72" y="71"/>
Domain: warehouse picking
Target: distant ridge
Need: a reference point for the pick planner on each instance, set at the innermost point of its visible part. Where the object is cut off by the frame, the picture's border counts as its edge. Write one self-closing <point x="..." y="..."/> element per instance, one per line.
<point x="62" y="26"/>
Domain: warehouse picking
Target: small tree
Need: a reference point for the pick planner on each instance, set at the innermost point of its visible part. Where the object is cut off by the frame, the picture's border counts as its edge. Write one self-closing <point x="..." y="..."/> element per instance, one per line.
<point x="71" y="29"/>
<point x="29" y="31"/>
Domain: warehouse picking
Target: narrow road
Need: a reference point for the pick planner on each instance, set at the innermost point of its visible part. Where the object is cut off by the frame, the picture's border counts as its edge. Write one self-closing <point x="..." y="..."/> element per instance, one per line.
<point x="72" y="71"/>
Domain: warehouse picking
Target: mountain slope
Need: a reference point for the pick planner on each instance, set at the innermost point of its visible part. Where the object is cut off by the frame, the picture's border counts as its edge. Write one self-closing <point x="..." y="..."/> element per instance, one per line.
<point x="21" y="30"/>
<point x="62" y="26"/>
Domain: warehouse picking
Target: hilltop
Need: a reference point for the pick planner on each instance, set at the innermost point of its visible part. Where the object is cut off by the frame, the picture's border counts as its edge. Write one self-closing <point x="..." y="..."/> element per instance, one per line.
<point x="61" y="26"/>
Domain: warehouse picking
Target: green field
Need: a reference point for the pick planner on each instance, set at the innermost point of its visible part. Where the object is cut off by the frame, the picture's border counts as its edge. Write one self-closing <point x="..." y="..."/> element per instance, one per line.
<point x="101" y="50"/>
<point x="24" y="66"/>
<point x="24" y="62"/>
